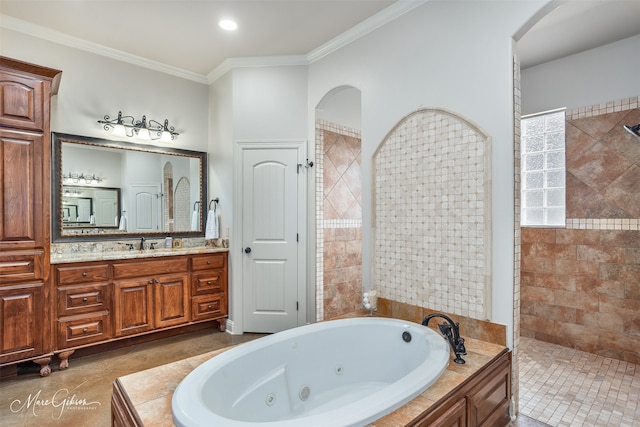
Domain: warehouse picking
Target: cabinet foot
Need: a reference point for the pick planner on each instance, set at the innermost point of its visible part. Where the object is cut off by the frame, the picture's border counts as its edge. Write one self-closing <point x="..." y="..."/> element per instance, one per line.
<point x="64" y="359"/>
<point x="45" y="370"/>
<point x="222" y="325"/>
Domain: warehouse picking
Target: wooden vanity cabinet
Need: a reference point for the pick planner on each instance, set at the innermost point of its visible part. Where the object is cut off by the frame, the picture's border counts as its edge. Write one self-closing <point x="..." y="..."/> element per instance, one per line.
<point x="25" y="156"/>
<point x="157" y="297"/>
<point x="84" y="304"/>
<point x="209" y="287"/>
<point x="104" y="301"/>
<point x="481" y="401"/>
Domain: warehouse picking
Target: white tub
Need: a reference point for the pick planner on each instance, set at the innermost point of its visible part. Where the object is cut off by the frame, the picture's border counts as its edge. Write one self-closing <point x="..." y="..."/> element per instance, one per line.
<point x="336" y="373"/>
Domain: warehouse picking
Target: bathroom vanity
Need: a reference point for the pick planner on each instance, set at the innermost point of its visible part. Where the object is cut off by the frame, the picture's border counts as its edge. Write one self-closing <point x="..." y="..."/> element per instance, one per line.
<point x="122" y="295"/>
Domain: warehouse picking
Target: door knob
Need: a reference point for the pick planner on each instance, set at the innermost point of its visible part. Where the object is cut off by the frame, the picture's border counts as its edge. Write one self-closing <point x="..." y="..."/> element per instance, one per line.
<point x="247" y="250"/>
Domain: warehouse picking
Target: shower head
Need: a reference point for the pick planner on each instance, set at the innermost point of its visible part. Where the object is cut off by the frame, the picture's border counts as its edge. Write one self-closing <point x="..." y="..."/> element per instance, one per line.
<point x="633" y="130"/>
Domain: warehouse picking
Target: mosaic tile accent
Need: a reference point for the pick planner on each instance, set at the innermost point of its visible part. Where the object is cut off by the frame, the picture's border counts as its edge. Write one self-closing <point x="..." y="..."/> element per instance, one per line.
<point x="432" y="214"/>
<point x="517" y="113"/>
<point x="603" y="224"/>
<point x="604" y="108"/>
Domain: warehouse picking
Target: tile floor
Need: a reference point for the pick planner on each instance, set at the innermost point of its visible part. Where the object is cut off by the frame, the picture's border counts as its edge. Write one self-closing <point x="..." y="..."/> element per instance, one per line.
<point x="559" y="386"/>
<point x="81" y="395"/>
<point x="563" y="387"/>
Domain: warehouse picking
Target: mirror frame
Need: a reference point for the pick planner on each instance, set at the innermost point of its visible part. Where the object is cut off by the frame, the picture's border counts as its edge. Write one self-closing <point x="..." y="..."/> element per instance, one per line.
<point x="57" y="139"/>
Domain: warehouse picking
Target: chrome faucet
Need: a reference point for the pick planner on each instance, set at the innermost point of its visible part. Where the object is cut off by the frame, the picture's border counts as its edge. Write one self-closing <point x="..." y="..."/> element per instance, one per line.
<point x="142" y="243"/>
<point x="451" y="331"/>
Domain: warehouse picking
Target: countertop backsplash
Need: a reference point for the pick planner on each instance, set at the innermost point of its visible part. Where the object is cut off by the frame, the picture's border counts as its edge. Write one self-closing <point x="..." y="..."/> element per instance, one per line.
<point x="111" y="246"/>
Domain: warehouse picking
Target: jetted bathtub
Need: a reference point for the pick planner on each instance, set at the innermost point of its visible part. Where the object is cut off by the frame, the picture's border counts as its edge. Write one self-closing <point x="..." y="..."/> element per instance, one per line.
<point x="337" y="373"/>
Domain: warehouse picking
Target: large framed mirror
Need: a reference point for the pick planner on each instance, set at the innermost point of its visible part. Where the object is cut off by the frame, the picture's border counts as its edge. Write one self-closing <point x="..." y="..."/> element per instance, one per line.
<point x="112" y="189"/>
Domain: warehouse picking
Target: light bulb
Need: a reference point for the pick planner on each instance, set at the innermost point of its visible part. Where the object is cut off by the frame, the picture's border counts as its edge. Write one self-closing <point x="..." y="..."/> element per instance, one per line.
<point x="143" y="133"/>
<point x="119" y="130"/>
<point x="165" y="136"/>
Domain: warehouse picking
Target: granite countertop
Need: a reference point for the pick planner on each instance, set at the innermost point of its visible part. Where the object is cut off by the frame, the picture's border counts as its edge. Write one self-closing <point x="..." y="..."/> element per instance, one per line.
<point x="149" y="392"/>
<point x="116" y="255"/>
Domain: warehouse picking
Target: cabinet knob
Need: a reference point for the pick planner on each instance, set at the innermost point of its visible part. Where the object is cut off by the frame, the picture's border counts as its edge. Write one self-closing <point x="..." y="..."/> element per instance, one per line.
<point x="152" y="281"/>
<point x="209" y="307"/>
<point x="85" y="299"/>
<point x="208" y="262"/>
<point x="85" y="330"/>
<point x="84" y="274"/>
<point x="209" y="282"/>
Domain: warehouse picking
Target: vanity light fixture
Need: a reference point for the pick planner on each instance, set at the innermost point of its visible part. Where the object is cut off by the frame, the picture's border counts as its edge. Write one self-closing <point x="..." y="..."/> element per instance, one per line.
<point x="149" y="130"/>
<point x="81" y="178"/>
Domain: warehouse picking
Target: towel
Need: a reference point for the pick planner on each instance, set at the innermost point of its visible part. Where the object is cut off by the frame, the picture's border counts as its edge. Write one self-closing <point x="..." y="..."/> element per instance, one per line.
<point x="123" y="223"/>
<point x="211" y="231"/>
<point x="195" y="223"/>
<point x="92" y="220"/>
<point x="116" y="221"/>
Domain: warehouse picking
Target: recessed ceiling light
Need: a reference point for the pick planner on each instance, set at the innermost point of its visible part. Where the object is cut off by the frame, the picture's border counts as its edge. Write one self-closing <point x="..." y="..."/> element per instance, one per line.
<point x="228" y="24"/>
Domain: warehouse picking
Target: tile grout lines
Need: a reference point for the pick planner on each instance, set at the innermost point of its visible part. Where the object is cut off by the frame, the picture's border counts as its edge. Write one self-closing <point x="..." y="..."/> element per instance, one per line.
<point x="565" y="387"/>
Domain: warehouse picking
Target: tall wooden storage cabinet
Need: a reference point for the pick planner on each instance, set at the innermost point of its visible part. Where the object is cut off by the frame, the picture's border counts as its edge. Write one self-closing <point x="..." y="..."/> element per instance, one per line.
<point x="25" y="168"/>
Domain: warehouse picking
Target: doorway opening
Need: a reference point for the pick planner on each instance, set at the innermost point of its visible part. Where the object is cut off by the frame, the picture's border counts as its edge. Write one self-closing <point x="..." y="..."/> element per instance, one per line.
<point x="338" y="149"/>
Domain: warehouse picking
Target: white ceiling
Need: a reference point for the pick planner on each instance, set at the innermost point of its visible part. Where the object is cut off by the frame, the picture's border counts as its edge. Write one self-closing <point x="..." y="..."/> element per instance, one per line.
<point x="183" y="34"/>
<point x="579" y="25"/>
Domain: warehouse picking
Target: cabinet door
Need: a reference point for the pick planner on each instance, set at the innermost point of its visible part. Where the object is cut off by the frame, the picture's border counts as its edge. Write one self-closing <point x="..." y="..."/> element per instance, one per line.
<point x="21" y="321"/>
<point x="171" y="300"/>
<point x="489" y="400"/>
<point x="21" y="196"/>
<point x="21" y="101"/>
<point x="455" y="415"/>
<point x="133" y="307"/>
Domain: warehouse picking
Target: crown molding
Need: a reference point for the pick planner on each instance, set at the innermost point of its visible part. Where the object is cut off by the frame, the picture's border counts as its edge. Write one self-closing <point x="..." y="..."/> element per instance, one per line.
<point x="38" y="31"/>
<point x="370" y="24"/>
<point x="255" y="62"/>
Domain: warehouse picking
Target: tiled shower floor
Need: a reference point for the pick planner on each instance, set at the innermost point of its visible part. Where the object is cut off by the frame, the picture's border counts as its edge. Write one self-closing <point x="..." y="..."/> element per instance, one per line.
<point x="559" y="386"/>
<point x="566" y="388"/>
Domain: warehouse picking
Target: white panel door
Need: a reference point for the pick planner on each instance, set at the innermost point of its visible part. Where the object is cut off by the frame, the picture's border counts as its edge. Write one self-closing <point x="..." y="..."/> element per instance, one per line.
<point x="145" y="207"/>
<point x="269" y="235"/>
<point x="105" y="208"/>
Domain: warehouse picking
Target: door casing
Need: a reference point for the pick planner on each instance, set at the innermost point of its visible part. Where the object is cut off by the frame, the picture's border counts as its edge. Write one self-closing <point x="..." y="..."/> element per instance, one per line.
<point x="236" y="288"/>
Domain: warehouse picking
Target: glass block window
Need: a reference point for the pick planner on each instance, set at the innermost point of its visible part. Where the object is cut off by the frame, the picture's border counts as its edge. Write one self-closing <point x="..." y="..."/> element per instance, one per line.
<point x="543" y="169"/>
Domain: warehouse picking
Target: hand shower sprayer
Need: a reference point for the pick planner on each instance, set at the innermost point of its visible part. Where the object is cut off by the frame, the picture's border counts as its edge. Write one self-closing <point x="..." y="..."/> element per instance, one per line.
<point x="633" y="130"/>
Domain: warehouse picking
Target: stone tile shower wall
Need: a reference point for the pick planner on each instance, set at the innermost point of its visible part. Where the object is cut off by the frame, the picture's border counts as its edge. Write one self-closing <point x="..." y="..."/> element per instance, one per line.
<point x="432" y="214"/>
<point x="580" y="285"/>
<point x="339" y="220"/>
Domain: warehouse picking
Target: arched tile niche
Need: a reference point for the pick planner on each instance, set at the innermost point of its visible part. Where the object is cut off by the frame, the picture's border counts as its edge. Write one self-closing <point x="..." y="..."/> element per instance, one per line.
<point x="432" y="214"/>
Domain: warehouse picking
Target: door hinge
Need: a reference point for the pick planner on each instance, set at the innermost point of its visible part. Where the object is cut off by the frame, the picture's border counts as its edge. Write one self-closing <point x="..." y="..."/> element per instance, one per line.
<point x="297" y="306"/>
<point x="297" y="237"/>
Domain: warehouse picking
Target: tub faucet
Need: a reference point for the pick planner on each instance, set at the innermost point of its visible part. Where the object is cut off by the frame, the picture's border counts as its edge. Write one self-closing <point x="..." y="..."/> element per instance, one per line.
<point x="142" y="243"/>
<point x="451" y="331"/>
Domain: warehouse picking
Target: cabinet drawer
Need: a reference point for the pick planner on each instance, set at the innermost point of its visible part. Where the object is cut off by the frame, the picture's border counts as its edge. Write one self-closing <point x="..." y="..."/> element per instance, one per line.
<point x="209" y="283"/>
<point x="83" y="299"/>
<point x="150" y="268"/>
<point x="207" y="262"/>
<point x="209" y="307"/>
<point x="86" y="329"/>
<point x="82" y="274"/>
<point x="20" y="266"/>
